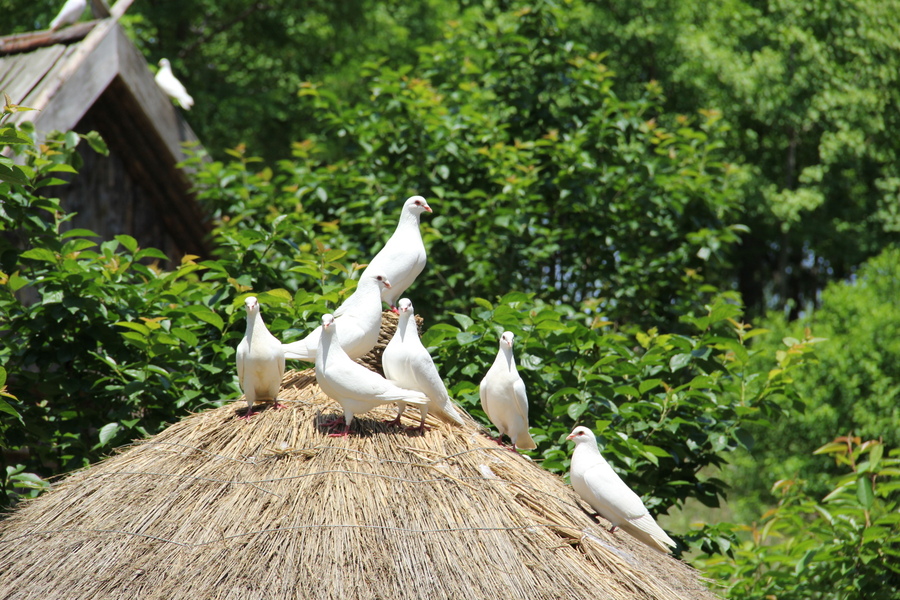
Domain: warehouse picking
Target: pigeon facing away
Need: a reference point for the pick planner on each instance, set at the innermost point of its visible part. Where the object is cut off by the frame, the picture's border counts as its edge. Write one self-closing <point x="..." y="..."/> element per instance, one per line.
<point x="403" y="256"/>
<point x="407" y="363"/>
<point x="260" y="361"/>
<point x="68" y="14"/>
<point x="598" y="485"/>
<point x="359" y="318"/>
<point x="355" y="387"/>
<point x="166" y="80"/>
<point x="503" y="396"/>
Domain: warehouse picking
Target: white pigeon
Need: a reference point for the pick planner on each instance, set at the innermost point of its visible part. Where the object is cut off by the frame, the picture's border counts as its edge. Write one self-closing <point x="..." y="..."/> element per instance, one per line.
<point x="407" y="363"/>
<point x="68" y="14"/>
<point x="359" y="317"/>
<point x="355" y="387"/>
<point x="598" y="485"/>
<point x="503" y="396"/>
<point x="403" y="256"/>
<point x="166" y="80"/>
<point x="260" y="361"/>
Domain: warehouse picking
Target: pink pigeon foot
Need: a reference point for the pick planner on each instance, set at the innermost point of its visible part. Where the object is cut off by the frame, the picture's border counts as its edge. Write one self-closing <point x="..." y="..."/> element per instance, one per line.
<point x="248" y="414"/>
<point x="394" y="422"/>
<point x="278" y="405"/>
<point x="394" y="310"/>
<point x="420" y="428"/>
<point x="344" y="432"/>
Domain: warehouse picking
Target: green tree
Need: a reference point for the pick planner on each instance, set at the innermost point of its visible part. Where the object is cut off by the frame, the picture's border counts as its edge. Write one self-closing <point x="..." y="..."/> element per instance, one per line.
<point x="541" y="177"/>
<point x="811" y="94"/>
<point x="852" y="387"/>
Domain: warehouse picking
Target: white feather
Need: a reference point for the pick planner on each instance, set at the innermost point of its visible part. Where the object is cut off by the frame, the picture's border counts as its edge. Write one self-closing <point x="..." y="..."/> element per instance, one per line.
<point x="166" y="80"/>
<point x="68" y="14"/>
<point x="359" y="318"/>
<point x="260" y="361"/>
<point x="601" y="487"/>
<point x="407" y="363"/>
<point x="403" y="256"/>
<point x="503" y="396"/>
<point x="356" y="388"/>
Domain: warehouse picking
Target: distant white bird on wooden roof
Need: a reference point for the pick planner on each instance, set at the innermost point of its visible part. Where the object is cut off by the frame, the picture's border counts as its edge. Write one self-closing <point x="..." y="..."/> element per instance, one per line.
<point x="260" y="360"/>
<point x="359" y="317"/>
<point x="403" y="256"/>
<point x="166" y="80"/>
<point x="68" y="14"/>
<point x="503" y="396"/>
<point x="407" y="363"/>
<point x="355" y="387"/>
<point x="598" y="485"/>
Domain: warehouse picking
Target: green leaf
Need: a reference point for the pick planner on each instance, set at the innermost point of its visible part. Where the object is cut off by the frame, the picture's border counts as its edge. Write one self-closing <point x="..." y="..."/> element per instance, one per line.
<point x="78" y="233"/>
<point x="679" y="361"/>
<point x="8" y="409"/>
<point x="41" y="254"/>
<point x="128" y="242"/>
<point x="142" y="329"/>
<point x="205" y="315"/>
<point x="864" y="492"/>
<point x="150" y="253"/>
<point x="108" y="432"/>
<point x="96" y="142"/>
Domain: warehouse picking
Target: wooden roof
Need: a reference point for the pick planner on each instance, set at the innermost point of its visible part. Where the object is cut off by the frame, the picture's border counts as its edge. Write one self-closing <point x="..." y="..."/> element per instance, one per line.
<point x="65" y="74"/>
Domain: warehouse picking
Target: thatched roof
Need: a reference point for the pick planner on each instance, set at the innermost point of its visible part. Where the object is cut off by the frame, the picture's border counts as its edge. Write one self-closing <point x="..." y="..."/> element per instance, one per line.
<point x="219" y="507"/>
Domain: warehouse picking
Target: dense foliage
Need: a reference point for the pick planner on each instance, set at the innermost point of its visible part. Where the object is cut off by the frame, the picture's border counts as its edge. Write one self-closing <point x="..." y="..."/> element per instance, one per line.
<point x="810" y="92"/>
<point x="852" y="388"/>
<point x="841" y="546"/>
<point x="542" y="179"/>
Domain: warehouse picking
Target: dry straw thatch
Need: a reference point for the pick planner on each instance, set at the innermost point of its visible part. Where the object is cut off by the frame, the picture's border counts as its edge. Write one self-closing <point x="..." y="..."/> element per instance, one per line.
<point x="219" y="507"/>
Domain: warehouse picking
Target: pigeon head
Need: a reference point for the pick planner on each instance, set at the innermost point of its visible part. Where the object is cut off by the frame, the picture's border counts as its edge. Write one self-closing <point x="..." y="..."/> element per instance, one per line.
<point x="582" y="435"/>
<point x="507" y="339"/>
<point x="382" y="280"/>
<point x="251" y="304"/>
<point x="328" y="322"/>
<point x="417" y="205"/>
<point x="405" y="305"/>
<point x="164" y="63"/>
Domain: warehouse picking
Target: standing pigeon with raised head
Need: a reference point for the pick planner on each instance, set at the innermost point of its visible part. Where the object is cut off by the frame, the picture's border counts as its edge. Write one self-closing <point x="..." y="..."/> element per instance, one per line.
<point x="356" y="388"/>
<point x="68" y="14"/>
<point x="359" y="317"/>
<point x="503" y="396"/>
<point x="403" y="256"/>
<point x="407" y="363"/>
<point x="598" y="485"/>
<point x="260" y="360"/>
<point x="166" y="80"/>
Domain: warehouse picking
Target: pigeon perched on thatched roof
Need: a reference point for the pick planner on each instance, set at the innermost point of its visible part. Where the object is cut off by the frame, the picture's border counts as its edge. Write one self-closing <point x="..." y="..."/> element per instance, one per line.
<point x="503" y="396"/>
<point x="219" y="507"/>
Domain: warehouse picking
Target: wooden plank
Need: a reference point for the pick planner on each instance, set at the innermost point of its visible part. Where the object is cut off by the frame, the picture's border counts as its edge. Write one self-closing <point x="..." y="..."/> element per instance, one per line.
<point x="22" y="74"/>
<point x="153" y="102"/>
<point x="26" y="42"/>
<point x="82" y="51"/>
<point x="73" y="99"/>
<point x="138" y="142"/>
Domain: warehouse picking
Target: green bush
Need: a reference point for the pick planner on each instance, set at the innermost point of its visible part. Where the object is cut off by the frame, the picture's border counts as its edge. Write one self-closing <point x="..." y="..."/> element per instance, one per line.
<point x="843" y="546"/>
<point x="852" y="387"/>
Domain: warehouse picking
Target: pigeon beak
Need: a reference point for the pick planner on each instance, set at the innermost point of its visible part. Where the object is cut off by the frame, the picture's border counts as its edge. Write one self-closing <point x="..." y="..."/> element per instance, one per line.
<point x="387" y="284"/>
<point x="571" y="436"/>
<point x="428" y="208"/>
